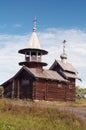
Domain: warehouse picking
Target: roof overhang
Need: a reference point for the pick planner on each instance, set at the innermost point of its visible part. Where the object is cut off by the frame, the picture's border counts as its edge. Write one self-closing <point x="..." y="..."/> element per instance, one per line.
<point x="28" y="50"/>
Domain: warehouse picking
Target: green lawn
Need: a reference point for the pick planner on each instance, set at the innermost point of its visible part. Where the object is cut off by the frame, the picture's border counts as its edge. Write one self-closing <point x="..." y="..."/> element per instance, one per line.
<point x="24" y="117"/>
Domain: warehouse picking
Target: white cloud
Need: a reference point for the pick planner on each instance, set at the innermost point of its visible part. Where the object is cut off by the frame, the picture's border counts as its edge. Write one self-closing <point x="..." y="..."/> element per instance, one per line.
<point x="51" y="40"/>
<point x="17" y="25"/>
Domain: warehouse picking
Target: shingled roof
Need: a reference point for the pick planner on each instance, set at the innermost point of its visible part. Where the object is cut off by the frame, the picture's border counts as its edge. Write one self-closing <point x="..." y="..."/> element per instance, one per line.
<point x="42" y="74"/>
<point x="65" y="67"/>
<point x="71" y="75"/>
<point x="45" y="74"/>
<point x="68" y="71"/>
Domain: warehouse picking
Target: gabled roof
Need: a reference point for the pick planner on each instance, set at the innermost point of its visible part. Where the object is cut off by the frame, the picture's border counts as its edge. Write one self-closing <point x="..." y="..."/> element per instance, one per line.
<point x="37" y="73"/>
<point x="45" y="74"/>
<point x="71" y="75"/>
<point x="64" y="66"/>
<point x="68" y="71"/>
<point x="67" y="66"/>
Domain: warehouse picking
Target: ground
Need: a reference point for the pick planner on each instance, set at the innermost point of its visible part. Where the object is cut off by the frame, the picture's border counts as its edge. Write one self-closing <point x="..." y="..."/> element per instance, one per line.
<point x="34" y="115"/>
<point x="78" y="107"/>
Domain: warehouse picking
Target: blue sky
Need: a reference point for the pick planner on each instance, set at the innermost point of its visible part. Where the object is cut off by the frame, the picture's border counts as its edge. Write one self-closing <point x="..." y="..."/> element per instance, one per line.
<point x="16" y="15"/>
<point x="56" y="20"/>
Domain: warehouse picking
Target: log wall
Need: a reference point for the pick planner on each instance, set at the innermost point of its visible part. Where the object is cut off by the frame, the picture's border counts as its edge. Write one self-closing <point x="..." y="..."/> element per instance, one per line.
<point x="54" y="91"/>
<point x="8" y="90"/>
<point x="25" y="87"/>
<point x="50" y="90"/>
<point x="70" y="91"/>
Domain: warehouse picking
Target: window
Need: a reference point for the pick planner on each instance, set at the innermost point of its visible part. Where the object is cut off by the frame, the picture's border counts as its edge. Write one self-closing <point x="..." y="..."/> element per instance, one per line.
<point x="59" y="85"/>
<point x="25" y="82"/>
<point x="70" y="87"/>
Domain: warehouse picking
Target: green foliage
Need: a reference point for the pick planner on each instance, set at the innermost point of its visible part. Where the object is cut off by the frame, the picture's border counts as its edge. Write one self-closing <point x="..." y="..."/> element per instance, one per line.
<point x="24" y="117"/>
<point x="80" y="90"/>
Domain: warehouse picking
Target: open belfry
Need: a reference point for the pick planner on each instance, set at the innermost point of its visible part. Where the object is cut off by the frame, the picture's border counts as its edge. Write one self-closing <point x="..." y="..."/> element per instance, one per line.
<point x="33" y="82"/>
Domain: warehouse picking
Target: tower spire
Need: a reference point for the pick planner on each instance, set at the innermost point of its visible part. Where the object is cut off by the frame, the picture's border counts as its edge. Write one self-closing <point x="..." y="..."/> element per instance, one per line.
<point x="33" y="53"/>
<point x="64" y="46"/>
<point x="34" y="41"/>
<point x="63" y="56"/>
<point x="34" y="28"/>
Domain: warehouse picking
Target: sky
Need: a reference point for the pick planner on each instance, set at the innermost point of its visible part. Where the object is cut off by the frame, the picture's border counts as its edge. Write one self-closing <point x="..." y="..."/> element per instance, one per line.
<point x="56" y="20"/>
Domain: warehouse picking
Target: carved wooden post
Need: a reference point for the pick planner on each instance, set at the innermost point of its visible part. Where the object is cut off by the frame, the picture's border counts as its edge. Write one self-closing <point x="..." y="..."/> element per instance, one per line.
<point x="18" y="91"/>
<point x="34" y="91"/>
<point x="13" y="89"/>
<point x="46" y="90"/>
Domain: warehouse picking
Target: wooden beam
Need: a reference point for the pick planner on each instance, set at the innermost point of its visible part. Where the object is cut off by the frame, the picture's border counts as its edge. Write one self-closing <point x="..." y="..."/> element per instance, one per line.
<point x="33" y="90"/>
<point x="13" y="85"/>
<point x="18" y="90"/>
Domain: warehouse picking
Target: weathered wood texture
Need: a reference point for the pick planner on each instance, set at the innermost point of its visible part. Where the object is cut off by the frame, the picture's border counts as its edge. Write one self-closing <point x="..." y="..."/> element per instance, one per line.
<point x="24" y="86"/>
<point x="54" y="91"/>
<point x="8" y="90"/>
<point x="21" y="87"/>
<point x="40" y="90"/>
<point x="70" y="90"/>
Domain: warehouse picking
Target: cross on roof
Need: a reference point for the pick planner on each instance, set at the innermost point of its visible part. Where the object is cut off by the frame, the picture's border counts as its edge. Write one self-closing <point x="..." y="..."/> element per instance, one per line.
<point x="34" y="28"/>
<point x="64" y="46"/>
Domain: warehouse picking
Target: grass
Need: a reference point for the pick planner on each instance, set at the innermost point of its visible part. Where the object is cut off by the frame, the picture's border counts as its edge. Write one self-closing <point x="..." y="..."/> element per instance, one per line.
<point x="78" y="103"/>
<point x="26" y="115"/>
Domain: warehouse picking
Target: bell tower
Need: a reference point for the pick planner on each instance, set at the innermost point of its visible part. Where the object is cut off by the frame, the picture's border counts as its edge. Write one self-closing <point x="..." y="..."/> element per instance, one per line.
<point x="33" y="53"/>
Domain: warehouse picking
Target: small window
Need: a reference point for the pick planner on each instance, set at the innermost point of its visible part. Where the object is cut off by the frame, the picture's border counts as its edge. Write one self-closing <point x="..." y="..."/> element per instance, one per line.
<point x="59" y="85"/>
<point x="70" y="87"/>
<point x="25" y="82"/>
